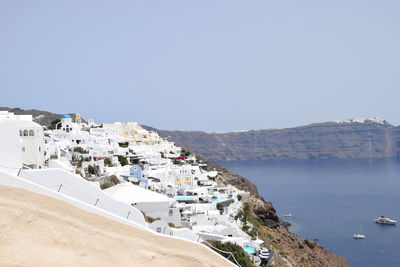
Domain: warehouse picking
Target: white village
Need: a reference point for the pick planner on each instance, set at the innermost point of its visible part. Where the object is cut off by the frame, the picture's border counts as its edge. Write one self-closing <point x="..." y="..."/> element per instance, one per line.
<point x="128" y="174"/>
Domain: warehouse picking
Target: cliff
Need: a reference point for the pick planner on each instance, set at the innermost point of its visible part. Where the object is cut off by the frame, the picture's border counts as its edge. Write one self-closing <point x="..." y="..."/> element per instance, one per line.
<point x="368" y="138"/>
<point x="290" y="249"/>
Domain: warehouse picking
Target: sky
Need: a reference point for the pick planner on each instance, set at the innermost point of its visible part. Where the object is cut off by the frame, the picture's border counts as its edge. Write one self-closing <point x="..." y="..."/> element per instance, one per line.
<point x="208" y="65"/>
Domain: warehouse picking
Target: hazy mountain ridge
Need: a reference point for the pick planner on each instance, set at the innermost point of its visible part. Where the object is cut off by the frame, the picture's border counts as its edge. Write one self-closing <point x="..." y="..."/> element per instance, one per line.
<point x="369" y="138"/>
<point x="356" y="138"/>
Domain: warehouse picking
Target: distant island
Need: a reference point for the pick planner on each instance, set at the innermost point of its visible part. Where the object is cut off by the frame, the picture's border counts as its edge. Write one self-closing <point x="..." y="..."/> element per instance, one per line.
<point x="346" y="139"/>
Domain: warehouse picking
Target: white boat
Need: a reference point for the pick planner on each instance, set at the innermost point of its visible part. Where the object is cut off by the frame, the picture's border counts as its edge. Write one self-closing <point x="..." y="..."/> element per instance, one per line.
<point x="358" y="236"/>
<point x="385" y="220"/>
<point x="288" y="215"/>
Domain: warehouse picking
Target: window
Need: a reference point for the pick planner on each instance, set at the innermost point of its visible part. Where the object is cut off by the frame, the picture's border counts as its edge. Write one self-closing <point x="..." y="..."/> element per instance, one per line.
<point x="40" y="149"/>
<point x="20" y="132"/>
<point x="25" y="132"/>
<point x="31" y="133"/>
<point x="23" y="149"/>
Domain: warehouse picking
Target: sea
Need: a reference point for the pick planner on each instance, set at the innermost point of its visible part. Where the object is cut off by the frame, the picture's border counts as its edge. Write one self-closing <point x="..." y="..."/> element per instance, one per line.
<point x="330" y="200"/>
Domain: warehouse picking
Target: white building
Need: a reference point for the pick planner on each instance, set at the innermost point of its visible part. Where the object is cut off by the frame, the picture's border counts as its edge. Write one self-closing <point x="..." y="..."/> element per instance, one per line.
<point x="22" y="141"/>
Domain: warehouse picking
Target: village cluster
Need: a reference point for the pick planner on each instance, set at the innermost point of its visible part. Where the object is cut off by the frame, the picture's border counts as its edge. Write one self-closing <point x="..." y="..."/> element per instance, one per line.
<point x="128" y="172"/>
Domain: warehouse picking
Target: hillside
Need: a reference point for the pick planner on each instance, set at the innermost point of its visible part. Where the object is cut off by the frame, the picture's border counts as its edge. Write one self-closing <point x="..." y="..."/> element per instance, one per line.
<point x="367" y="138"/>
<point x="37" y="230"/>
<point x="42" y="117"/>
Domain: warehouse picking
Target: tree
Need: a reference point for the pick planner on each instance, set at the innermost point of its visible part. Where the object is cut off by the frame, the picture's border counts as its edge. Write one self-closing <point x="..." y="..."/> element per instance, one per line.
<point x="245" y="212"/>
<point x="53" y="124"/>
<point x="220" y="207"/>
<point x="91" y="169"/>
<point x="122" y="160"/>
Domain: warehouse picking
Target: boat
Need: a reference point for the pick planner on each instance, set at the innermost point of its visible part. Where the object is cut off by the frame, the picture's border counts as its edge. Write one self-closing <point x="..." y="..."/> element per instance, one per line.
<point x="358" y="236"/>
<point x="288" y="215"/>
<point x="385" y="220"/>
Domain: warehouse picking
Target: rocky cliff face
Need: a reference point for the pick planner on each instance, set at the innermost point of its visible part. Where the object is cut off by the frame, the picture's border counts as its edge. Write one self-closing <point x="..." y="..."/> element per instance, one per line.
<point x="330" y="140"/>
<point x="290" y="249"/>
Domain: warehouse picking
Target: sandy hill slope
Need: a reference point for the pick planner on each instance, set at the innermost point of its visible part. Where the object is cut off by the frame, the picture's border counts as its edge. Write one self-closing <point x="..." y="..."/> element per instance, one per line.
<point x="36" y="230"/>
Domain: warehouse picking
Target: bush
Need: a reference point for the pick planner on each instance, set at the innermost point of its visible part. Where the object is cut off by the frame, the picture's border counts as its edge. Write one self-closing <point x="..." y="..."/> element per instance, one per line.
<point x="239" y="197"/>
<point x="185" y="153"/>
<point x="122" y="160"/>
<point x="91" y="169"/>
<point x="106" y="185"/>
<point x="170" y="224"/>
<point x="107" y="161"/>
<point x="240" y="255"/>
<point x="124" y="145"/>
<point x="78" y="149"/>
<point x="151" y="219"/>
<point x="115" y="179"/>
<point x="220" y="207"/>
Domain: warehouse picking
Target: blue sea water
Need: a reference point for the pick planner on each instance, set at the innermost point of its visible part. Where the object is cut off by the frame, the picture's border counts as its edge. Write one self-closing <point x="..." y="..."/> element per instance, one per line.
<point x="333" y="199"/>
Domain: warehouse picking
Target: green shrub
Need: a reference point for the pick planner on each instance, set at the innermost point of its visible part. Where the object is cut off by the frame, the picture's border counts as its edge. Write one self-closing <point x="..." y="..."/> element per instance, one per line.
<point x="239" y="197"/>
<point x="115" y="179"/>
<point x="105" y="185"/>
<point x="91" y="169"/>
<point x="220" y="207"/>
<point x="185" y="153"/>
<point x="240" y="255"/>
<point x="79" y="149"/>
<point x="151" y="219"/>
<point x="122" y="160"/>
<point x="124" y="145"/>
<point x="107" y="161"/>
<point x="170" y="224"/>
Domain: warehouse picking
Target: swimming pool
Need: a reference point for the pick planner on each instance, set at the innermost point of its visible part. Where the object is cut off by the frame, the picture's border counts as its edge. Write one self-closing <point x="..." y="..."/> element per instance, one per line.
<point x="220" y="199"/>
<point x="249" y="250"/>
<point x="184" y="198"/>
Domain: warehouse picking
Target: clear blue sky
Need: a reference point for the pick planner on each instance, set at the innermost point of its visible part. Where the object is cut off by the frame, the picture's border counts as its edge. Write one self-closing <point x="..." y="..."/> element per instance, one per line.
<point x="203" y="65"/>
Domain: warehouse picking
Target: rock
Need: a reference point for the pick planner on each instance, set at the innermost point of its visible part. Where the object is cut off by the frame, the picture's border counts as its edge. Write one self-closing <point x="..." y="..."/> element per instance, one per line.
<point x="329" y="140"/>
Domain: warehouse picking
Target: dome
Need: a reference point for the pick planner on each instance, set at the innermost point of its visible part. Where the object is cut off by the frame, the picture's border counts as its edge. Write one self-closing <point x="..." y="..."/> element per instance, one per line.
<point x="66" y="116"/>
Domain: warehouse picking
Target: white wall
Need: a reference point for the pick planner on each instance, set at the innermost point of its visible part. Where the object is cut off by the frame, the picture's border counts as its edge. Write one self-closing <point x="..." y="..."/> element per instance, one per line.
<point x="75" y="186"/>
<point x="18" y="182"/>
<point x="10" y="147"/>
